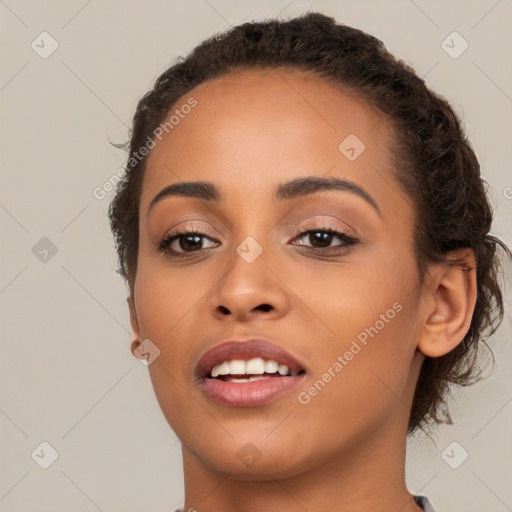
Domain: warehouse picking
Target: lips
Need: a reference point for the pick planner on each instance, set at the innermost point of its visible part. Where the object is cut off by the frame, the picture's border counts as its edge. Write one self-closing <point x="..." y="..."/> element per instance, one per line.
<point x="230" y="390"/>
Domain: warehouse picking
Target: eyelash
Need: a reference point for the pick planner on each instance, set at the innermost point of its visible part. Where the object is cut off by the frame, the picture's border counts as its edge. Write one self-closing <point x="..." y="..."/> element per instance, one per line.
<point x="347" y="241"/>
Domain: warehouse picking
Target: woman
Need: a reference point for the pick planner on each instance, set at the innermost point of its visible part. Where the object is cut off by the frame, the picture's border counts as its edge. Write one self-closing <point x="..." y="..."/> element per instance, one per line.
<point x="305" y="235"/>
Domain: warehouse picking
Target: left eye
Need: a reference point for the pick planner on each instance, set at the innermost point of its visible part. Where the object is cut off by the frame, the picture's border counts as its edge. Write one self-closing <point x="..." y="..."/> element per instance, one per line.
<point x="323" y="237"/>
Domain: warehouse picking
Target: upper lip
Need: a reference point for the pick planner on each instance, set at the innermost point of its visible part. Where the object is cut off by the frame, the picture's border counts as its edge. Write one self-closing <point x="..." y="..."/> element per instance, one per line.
<point x="245" y="349"/>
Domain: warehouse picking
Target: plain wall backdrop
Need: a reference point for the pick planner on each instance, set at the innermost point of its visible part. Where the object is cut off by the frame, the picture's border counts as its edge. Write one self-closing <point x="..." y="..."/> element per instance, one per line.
<point x="67" y="375"/>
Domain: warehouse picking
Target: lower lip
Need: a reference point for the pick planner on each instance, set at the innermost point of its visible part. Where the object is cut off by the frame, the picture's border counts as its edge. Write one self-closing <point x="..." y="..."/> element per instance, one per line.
<point x="249" y="394"/>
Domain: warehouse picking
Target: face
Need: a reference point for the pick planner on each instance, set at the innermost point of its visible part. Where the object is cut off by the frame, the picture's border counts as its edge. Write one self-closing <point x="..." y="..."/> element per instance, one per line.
<point x="327" y="274"/>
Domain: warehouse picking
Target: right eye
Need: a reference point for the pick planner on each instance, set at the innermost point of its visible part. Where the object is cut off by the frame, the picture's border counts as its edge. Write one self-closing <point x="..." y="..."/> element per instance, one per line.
<point x="182" y="243"/>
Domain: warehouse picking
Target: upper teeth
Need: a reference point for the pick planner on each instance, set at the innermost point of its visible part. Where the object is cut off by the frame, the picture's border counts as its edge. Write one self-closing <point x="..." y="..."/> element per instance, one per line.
<point x="255" y="366"/>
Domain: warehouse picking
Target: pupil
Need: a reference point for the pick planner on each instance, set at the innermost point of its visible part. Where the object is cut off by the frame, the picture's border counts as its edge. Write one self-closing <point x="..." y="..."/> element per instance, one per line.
<point x="323" y="238"/>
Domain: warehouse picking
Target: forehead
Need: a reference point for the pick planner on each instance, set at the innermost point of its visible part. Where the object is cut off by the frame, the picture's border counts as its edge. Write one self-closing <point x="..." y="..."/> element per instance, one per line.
<point x="252" y="129"/>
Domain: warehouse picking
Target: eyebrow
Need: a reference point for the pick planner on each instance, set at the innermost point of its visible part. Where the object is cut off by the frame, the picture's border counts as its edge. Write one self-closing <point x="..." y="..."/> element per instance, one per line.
<point x="298" y="187"/>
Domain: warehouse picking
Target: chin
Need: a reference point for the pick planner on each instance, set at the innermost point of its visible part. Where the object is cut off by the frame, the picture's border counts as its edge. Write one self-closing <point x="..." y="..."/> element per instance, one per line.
<point x="275" y="461"/>
<point x="262" y="471"/>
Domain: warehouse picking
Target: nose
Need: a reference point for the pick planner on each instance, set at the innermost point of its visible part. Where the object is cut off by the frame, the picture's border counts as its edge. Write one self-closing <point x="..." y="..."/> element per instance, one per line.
<point x="249" y="290"/>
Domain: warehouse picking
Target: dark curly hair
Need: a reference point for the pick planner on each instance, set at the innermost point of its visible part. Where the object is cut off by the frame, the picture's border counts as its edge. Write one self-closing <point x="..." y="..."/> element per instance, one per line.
<point x="434" y="162"/>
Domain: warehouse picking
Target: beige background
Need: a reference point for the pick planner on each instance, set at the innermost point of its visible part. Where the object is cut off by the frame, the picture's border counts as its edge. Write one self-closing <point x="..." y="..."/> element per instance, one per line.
<point x="66" y="373"/>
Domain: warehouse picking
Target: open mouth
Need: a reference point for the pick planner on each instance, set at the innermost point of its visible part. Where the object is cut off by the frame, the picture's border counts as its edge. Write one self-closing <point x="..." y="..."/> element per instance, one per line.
<point x="248" y="373"/>
<point x="257" y="368"/>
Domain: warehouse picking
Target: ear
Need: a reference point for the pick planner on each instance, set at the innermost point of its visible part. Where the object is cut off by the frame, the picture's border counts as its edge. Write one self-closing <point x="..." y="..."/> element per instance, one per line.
<point x="135" y="325"/>
<point x="449" y="300"/>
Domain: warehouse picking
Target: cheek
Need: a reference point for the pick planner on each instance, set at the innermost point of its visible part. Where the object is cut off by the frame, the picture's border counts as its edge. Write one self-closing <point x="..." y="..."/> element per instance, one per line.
<point x="367" y="334"/>
<point x="165" y="296"/>
<point x="364" y="291"/>
<point x="360" y="378"/>
<point x="165" y="305"/>
<point x="165" y="312"/>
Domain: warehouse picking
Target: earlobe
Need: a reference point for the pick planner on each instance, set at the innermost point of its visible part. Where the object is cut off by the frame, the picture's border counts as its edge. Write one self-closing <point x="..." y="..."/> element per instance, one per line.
<point x="135" y="325"/>
<point x="449" y="302"/>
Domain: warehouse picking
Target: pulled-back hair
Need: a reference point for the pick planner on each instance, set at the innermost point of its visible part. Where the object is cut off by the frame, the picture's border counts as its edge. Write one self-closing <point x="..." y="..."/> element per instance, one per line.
<point x="433" y="159"/>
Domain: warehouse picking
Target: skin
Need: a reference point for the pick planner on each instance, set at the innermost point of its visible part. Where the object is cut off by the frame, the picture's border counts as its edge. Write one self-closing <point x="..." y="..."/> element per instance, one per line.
<point x="345" y="449"/>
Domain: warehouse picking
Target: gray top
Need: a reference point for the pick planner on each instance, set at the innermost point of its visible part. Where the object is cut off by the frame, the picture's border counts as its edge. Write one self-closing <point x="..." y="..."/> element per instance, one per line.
<point x="422" y="501"/>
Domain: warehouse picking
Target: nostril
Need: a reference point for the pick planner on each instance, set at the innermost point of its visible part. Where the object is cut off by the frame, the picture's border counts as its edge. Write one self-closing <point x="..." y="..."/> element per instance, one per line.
<point x="263" y="307"/>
